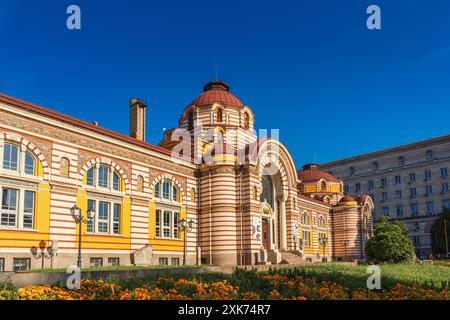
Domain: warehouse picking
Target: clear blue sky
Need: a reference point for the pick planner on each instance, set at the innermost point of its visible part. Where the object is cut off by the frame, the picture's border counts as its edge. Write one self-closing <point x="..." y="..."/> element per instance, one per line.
<point x="310" y="68"/>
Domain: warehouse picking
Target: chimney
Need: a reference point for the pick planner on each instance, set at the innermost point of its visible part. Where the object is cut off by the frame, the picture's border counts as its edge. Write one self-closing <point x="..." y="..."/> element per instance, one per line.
<point x="137" y="119"/>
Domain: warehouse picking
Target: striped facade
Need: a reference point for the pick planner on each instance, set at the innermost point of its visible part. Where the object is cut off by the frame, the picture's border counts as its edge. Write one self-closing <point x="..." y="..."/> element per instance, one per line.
<point x="247" y="202"/>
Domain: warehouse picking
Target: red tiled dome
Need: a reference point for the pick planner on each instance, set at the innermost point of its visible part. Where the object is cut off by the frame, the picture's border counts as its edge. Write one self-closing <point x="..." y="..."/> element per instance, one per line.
<point x="347" y="198"/>
<point x="217" y="91"/>
<point x="312" y="172"/>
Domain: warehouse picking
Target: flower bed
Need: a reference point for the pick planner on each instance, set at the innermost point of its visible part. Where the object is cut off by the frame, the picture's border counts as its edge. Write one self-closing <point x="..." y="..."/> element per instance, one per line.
<point x="244" y="286"/>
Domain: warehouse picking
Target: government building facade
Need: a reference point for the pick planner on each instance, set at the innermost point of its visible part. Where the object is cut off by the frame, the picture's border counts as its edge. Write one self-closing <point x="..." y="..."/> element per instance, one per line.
<point x="228" y="198"/>
<point x="409" y="183"/>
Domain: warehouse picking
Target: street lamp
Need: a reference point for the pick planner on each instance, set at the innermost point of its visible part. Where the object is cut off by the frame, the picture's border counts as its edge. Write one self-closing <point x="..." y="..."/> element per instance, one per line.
<point x="185" y="226"/>
<point x="323" y="242"/>
<point x="79" y="219"/>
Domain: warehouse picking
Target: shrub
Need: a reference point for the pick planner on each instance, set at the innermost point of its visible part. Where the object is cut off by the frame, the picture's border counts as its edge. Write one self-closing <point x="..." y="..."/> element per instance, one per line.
<point x="390" y="243"/>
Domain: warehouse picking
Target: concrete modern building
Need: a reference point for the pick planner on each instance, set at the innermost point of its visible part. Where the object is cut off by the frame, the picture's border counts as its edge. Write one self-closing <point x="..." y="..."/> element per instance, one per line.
<point x="409" y="183"/>
<point x="242" y="195"/>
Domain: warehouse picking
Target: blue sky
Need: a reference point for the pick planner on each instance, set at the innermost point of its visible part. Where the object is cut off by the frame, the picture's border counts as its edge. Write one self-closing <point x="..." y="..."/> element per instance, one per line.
<point x="310" y="68"/>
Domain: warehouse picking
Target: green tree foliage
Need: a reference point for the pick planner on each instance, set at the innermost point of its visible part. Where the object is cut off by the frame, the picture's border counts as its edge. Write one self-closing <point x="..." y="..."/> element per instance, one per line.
<point x="438" y="232"/>
<point x="390" y="243"/>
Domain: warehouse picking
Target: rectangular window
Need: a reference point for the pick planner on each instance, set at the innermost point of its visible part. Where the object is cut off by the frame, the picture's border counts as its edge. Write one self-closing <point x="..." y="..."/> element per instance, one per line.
<point x="386" y="211"/>
<point x="427" y="175"/>
<point x="96" y="262"/>
<point x="412" y="177"/>
<point x="398" y="194"/>
<point x="116" y="218"/>
<point x="414" y="209"/>
<point x="412" y="192"/>
<point x="444" y="172"/>
<point x="346" y="189"/>
<point x="398" y="180"/>
<point x="28" y="210"/>
<point x="113" y="262"/>
<point x="399" y="210"/>
<point x="305" y="237"/>
<point x="416" y="240"/>
<point x="175" y="225"/>
<point x="21" y="264"/>
<point x="383" y="182"/>
<point x="103" y="217"/>
<point x="166" y="190"/>
<point x="430" y="207"/>
<point x="2" y="264"/>
<point x="163" y="261"/>
<point x="90" y="177"/>
<point x="103" y="176"/>
<point x="444" y="187"/>
<point x="166" y="224"/>
<point x="384" y="196"/>
<point x="446" y="203"/>
<point x="157" y="192"/>
<point x="91" y="223"/>
<point x="357" y="187"/>
<point x="429" y="189"/>
<point x="10" y="156"/>
<point x="370" y="184"/>
<point x="158" y="223"/>
<point x="9" y="207"/>
<point x="175" y="261"/>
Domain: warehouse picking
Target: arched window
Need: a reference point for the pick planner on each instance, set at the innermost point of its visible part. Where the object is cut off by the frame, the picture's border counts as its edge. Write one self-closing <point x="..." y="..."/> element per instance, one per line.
<point x="321" y="222"/>
<point x="255" y="193"/>
<point x="352" y="171"/>
<point x="305" y="220"/>
<point x="219" y="115"/>
<point x="246" y="121"/>
<point x="375" y="166"/>
<point x="324" y="186"/>
<point x="10" y="157"/>
<point x="267" y="190"/>
<point x="103" y="177"/>
<point x="30" y="164"/>
<point x="64" y="167"/>
<point x="169" y="192"/>
<point x="140" y="184"/>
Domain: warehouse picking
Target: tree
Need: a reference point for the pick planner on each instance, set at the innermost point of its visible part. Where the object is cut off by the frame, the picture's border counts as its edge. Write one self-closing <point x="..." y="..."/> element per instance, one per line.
<point x="438" y="232"/>
<point x="390" y="242"/>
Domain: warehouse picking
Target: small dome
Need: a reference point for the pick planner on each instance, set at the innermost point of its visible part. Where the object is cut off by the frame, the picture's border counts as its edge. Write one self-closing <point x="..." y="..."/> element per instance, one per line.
<point x="217" y="92"/>
<point x="312" y="172"/>
<point x="348" y="200"/>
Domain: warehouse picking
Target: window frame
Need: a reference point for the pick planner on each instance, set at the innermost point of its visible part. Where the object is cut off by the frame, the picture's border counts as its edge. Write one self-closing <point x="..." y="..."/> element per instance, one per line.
<point x="93" y="226"/>
<point x="169" y="226"/>
<point x="19" y="212"/>
<point x="159" y="193"/>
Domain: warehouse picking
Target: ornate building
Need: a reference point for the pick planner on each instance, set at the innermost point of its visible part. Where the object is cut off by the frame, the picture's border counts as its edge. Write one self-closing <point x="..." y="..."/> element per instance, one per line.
<point x="243" y="195"/>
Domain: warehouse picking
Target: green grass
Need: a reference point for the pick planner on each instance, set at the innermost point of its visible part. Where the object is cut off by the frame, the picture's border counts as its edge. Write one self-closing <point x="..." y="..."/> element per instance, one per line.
<point x="355" y="276"/>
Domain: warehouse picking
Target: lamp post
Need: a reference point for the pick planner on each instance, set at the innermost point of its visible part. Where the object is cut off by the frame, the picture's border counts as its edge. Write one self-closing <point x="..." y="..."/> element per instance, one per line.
<point x="79" y="219"/>
<point x="185" y="226"/>
<point x="323" y="241"/>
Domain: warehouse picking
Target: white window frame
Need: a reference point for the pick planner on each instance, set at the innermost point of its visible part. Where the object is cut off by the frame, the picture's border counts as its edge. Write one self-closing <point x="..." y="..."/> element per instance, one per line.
<point x="172" y="227"/>
<point x="110" y="220"/>
<point x="172" y="186"/>
<point x="20" y="208"/>
<point x="110" y="188"/>
<point x="21" y="155"/>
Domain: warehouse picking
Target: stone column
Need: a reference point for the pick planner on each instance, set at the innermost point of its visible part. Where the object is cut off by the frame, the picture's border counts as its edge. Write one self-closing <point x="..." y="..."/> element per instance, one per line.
<point x="283" y="225"/>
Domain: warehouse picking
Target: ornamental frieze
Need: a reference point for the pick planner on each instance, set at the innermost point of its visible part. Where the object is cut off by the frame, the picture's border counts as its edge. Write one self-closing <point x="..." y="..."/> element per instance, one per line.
<point x="53" y="132"/>
<point x="19" y="183"/>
